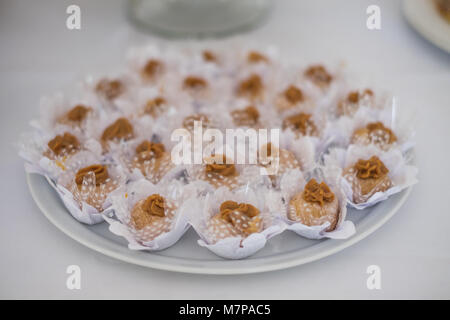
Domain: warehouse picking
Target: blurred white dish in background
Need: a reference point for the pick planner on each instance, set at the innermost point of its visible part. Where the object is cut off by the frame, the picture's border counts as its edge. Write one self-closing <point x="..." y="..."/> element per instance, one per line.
<point x="424" y="17"/>
<point x="198" y="18"/>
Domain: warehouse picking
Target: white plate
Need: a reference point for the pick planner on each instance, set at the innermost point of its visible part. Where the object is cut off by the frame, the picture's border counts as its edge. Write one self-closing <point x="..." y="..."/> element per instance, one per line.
<point x="283" y="251"/>
<point x="423" y="16"/>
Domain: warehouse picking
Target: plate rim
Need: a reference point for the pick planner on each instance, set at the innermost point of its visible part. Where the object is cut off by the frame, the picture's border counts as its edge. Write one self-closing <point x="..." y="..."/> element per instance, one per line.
<point x="93" y="241"/>
<point x="411" y="13"/>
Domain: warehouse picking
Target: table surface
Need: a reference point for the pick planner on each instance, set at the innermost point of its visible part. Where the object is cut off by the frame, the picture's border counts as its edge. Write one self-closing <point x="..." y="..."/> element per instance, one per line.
<point x="38" y="55"/>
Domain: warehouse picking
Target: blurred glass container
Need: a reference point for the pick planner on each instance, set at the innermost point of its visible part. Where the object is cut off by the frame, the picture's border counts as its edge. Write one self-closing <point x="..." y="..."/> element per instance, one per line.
<point x="198" y="18"/>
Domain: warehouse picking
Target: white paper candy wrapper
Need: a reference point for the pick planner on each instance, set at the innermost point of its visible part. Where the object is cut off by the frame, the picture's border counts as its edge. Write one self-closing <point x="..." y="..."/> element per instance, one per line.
<point x="33" y="148"/>
<point x="293" y="183"/>
<point x="86" y="214"/>
<point x="54" y="108"/>
<point x="74" y="197"/>
<point x="95" y="129"/>
<point x="234" y="247"/>
<point x="402" y="174"/>
<point x="324" y="96"/>
<point x="301" y="144"/>
<point x="343" y="128"/>
<point x="248" y="175"/>
<point x="138" y="57"/>
<point x="125" y="92"/>
<point x="305" y="148"/>
<point x="136" y="174"/>
<point x="124" y="199"/>
<point x="156" y="172"/>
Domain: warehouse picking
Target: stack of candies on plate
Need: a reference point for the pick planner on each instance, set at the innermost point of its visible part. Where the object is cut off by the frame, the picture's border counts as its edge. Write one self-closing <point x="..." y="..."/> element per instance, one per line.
<point x="124" y="148"/>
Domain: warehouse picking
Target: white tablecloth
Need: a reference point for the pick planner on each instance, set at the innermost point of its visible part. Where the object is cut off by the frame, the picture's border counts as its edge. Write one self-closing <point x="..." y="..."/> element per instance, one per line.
<point x="38" y="55"/>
